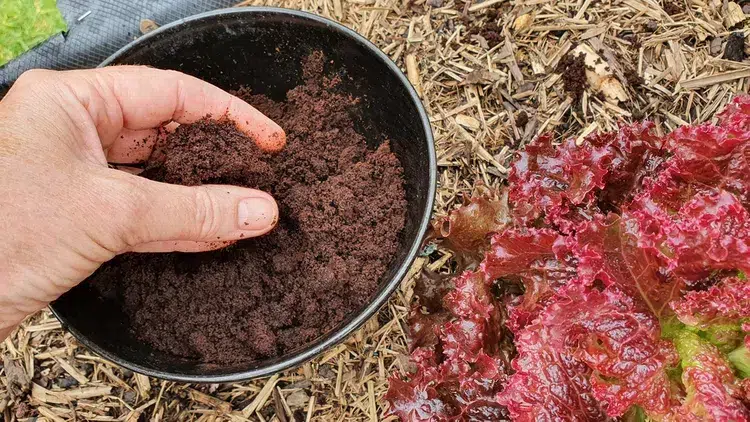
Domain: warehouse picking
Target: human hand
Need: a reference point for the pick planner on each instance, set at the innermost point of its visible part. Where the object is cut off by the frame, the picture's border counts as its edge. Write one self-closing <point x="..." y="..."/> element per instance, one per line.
<point x="64" y="212"/>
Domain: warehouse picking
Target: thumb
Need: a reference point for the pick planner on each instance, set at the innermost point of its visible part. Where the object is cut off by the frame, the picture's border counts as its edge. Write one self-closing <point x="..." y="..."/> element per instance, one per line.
<point x="166" y="217"/>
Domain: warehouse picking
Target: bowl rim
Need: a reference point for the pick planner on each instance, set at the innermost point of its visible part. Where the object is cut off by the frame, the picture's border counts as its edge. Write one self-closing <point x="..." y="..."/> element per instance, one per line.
<point x="337" y="336"/>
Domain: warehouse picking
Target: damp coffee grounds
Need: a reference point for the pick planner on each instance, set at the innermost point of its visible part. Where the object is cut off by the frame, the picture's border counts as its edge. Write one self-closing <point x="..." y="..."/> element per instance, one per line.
<point x="342" y="207"/>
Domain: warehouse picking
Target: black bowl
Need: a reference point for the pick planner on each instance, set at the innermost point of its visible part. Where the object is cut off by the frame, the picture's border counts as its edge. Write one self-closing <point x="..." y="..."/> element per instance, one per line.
<point x="263" y="48"/>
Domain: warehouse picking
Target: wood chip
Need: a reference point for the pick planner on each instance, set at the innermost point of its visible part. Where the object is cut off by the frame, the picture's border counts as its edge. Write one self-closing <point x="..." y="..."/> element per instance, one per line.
<point x="147" y="25"/>
<point x="734" y="15"/>
<point x="523" y="22"/>
<point x="262" y="396"/>
<point x="18" y="381"/>
<point x="135" y="414"/>
<point x="49" y="414"/>
<point x="586" y="132"/>
<point x="297" y="399"/>
<point x="310" y="409"/>
<point x="412" y="73"/>
<point x="65" y="397"/>
<point x="372" y="410"/>
<point x="278" y="405"/>
<point x="70" y="369"/>
<point x="600" y="78"/>
<point x="209" y="401"/>
<point x="144" y="385"/>
<point x="468" y="122"/>
<point x="705" y="81"/>
<point x="480" y="76"/>
<point x="483" y="5"/>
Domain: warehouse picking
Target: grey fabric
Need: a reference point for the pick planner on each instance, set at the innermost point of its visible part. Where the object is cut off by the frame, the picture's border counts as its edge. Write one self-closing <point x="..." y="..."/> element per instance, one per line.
<point x="110" y="25"/>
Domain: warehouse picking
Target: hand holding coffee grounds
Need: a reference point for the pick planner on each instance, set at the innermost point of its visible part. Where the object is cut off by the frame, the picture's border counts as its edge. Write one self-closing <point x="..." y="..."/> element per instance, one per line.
<point x="342" y="207"/>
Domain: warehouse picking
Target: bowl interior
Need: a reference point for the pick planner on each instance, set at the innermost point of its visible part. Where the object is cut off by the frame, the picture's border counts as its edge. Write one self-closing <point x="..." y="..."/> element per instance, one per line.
<point x="262" y="49"/>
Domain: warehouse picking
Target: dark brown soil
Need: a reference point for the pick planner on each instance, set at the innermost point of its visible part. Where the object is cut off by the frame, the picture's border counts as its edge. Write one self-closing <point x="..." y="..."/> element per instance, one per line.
<point x="673" y="8"/>
<point x="735" y="49"/>
<point x="342" y="207"/>
<point x="488" y="29"/>
<point x="522" y="119"/>
<point x="573" y="71"/>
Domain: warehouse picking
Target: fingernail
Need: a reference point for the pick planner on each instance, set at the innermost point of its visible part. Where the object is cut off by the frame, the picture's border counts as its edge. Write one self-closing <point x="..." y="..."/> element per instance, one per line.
<point x="256" y="214"/>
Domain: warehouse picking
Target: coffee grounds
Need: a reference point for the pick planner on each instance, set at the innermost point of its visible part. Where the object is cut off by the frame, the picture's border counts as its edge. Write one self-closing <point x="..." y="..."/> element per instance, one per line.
<point x="342" y="207"/>
<point x="673" y="8"/>
<point x="735" y="49"/>
<point x="573" y="71"/>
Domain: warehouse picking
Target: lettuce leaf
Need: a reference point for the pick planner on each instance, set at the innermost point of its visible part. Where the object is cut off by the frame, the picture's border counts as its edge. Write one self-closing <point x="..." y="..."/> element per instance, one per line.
<point x="565" y="184"/>
<point x="721" y="312"/>
<point x="550" y="183"/>
<point x="608" y="251"/>
<point x="539" y="259"/>
<point x="614" y="286"/>
<point x="712" y="390"/>
<point x="26" y="23"/>
<point x="740" y="359"/>
<point x="459" y="375"/>
<point x="602" y="349"/>
<point x="465" y="230"/>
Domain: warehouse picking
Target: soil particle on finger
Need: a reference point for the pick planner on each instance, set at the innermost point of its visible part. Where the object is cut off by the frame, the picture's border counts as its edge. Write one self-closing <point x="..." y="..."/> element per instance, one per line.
<point x="573" y="71"/>
<point x="735" y="48"/>
<point x="342" y="207"/>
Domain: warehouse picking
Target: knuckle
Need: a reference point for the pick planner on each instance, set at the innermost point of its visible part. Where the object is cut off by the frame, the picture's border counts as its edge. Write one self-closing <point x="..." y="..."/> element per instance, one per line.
<point x="32" y="87"/>
<point x="130" y="195"/>
<point x="34" y="77"/>
<point x="207" y="213"/>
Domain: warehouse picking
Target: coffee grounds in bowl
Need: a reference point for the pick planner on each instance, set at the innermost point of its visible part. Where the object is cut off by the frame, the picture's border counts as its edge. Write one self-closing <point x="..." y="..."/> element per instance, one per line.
<point x="342" y="207"/>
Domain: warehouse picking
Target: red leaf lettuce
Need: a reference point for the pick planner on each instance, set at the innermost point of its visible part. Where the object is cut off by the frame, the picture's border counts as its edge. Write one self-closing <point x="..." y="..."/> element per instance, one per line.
<point x="611" y="284"/>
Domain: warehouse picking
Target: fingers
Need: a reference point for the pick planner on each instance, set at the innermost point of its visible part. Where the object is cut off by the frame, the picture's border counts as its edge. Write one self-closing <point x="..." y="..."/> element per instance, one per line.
<point x="136" y="146"/>
<point x="137" y="98"/>
<point x="132" y="146"/>
<point x="161" y="217"/>
<point x="180" y="246"/>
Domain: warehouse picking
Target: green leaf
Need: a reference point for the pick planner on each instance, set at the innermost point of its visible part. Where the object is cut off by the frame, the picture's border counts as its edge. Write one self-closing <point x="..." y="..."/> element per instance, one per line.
<point x="740" y="358"/>
<point x="26" y="23"/>
<point x="712" y="391"/>
<point x="689" y="345"/>
<point x="634" y="414"/>
<point x="724" y="336"/>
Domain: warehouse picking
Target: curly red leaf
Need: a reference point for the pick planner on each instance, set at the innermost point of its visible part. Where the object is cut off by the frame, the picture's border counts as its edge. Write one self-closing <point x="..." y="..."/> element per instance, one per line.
<point x="612" y="343"/>
<point x="548" y="182"/>
<point x="539" y="258"/>
<point x="465" y="230"/>
<point x="608" y="251"/>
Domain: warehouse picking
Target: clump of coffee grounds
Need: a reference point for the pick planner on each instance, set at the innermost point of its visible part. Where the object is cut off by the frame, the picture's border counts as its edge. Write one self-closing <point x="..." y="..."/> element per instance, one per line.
<point x="522" y="119"/>
<point x="573" y="71"/>
<point x="489" y="31"/>
<point x="735" y="49"/>
<point x="342" y="207"/>
<point x="673" y="8"/>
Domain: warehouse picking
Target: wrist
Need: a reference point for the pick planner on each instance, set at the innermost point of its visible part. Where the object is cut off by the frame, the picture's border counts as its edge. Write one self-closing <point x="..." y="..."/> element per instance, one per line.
<point x="5" y="332"/>
<point x="13" y="308"/>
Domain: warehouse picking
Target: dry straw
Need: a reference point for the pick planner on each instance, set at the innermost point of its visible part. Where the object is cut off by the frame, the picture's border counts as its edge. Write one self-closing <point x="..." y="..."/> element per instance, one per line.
<point x="486" y="72"/>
